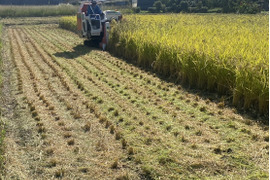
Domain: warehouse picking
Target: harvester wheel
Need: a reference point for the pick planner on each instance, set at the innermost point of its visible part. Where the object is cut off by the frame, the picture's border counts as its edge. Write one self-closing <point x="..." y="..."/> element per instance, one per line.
<point x="91" y="43"/>
<point x="86" y="43"/>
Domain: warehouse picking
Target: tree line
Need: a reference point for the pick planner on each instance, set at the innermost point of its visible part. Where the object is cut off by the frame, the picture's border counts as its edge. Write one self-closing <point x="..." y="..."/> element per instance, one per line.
<point x="30" y="2"/>
<point x="37" y="2"/>
<point x="202" y="6"/>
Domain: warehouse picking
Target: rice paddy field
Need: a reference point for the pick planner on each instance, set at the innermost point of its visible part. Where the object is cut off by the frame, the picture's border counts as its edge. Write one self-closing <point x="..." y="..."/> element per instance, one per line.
<point x="76" y="112"/>
<point x="228" y="54"/>
<point x="37" y="11"/>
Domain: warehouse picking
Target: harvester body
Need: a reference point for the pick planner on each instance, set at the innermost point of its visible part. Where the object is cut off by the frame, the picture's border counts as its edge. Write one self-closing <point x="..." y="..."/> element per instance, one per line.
<point x="92" y="25"/>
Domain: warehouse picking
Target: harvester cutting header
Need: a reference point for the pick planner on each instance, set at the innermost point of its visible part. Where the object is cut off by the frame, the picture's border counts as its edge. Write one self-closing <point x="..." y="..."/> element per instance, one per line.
<point x="94" y="24"/>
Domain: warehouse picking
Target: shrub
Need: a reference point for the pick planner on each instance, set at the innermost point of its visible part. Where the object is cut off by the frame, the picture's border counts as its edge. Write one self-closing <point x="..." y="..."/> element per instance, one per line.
<point x="136" y="10"/>
<point x="152" y="10"/>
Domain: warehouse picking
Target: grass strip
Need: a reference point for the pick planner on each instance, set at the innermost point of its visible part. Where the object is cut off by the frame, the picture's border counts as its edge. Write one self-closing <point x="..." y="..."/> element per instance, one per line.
<point x="37" y="11"/>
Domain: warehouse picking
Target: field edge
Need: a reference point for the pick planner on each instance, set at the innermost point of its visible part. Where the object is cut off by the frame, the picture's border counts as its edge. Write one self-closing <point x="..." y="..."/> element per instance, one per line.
<point x="2" y="130"/>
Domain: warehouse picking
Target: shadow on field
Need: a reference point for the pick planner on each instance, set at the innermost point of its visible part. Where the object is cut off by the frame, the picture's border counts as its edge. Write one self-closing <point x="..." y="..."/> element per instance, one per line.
<point x="78" y="51"/>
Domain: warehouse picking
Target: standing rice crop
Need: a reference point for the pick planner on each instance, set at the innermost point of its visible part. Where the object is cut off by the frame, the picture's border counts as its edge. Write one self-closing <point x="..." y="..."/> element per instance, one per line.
<point x="227" y="54"/>
<point x="223" y="53"/>
<point x="69" y="23"/>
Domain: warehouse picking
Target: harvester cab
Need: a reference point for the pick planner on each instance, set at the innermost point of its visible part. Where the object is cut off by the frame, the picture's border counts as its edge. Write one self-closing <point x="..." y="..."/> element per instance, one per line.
<point x="93" y="24"/>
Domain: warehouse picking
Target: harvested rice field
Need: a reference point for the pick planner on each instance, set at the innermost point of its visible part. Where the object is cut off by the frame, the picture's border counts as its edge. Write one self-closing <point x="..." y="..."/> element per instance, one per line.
<point x="76" y="112"/>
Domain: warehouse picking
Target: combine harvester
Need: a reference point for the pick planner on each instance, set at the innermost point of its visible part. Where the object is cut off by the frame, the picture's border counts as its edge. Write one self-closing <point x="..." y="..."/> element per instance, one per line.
<point x="94" y="24"/>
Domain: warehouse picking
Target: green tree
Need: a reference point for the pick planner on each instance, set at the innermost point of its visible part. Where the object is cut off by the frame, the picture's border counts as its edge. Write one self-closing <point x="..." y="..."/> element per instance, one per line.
<point x="158" y="5"/>
<point x="184" y="6"/>
<point x="228" y="6"/>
